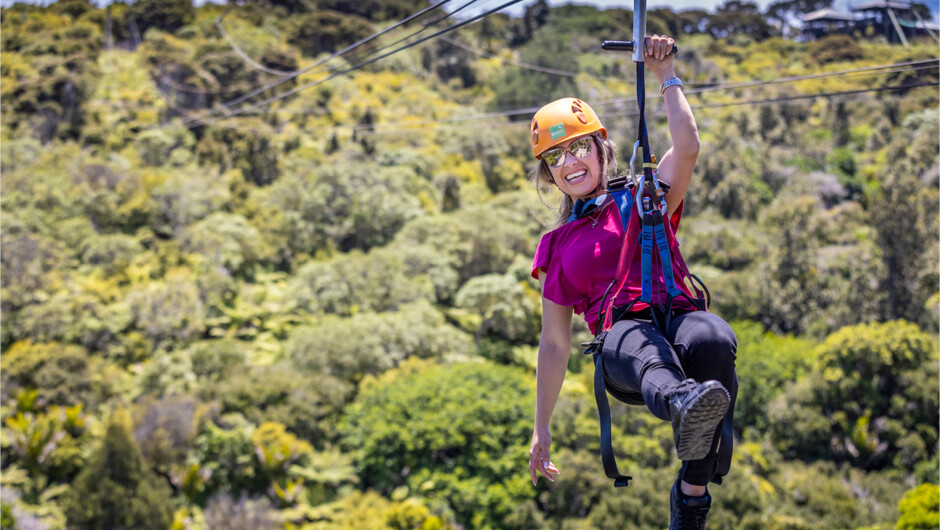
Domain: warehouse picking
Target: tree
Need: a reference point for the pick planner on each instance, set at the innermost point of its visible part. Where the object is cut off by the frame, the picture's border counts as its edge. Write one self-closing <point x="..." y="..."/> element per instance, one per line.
<point x="503" y="307"/>
<point x="452" y="433"/>
<point x="116" y="490"/>
<point x="784" y="13"/>
<point x="167" y="312"/>
<point x="905" y="225"/>
<point x="342" y="205"/>
<point x="518" y="87"/>
<point x="869" y="400"/>
<point x="59" y="373"/>
<point x="228" y="242"/>
<point x="165" y="15"/>
<point x="165" y="431"/>
<point x="225" y="513"/>
<point x="327" y="31"/>
<point x="765" y="363"/>
<point x="304" y="402"/>
<point x="919" y="508"/>
<point x="739" y="17"/>
<point x="790" y="270"/>
<point x="337" y="347"/>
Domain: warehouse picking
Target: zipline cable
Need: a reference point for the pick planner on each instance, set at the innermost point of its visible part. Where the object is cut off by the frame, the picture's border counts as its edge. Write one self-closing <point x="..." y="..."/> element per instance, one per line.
<point x="357" y="66"/>
<point x="426" y="26"/>
<point x="241" y="53"/>
<point x="531" y="110"/>
<point x="445" y="124"/>
<point x="360" y="42"/>
<point x="526" y="66"/>
<point x="909" y="66"/>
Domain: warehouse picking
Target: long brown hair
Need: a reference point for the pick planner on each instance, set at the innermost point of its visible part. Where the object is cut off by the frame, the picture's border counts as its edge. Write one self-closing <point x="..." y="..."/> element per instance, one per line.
<point x="541" y="175"/>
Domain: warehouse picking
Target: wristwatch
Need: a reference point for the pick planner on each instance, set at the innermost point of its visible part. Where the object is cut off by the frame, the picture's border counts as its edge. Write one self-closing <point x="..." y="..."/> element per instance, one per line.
<point x="674" y="81"/>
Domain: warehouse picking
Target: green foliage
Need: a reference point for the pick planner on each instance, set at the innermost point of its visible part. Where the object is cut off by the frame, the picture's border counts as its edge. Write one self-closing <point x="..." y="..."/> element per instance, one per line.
<point x="229" y="243"/>
<point x="224" y="511"/>
<point x="381" y="280"/>
<point x="249" y="148"/>
<point x="737" y="18"/>
<point x="48" y="73"/>
<point x="338" y="347"/>
<point x="274" y="267"/>
<point x="327" y="31"/>
<point x="169" y="311"/>
<point x="223" y="461"/>
<point x="866" y="399"/>
<point x="519" y="88"/>
<point x="835" y="48"/>
<point x="502" y="303"/>
<point x="59" y="373"/>
<point x="304" y="402"/>
<point x="905" y="226"/>
<point x="920" y="508"/>
<point x="165" y="15"/>
<point x="457" y="429"/>
<point x="165" y="430"/>
<point x="722" y="243"/>
<point x="116" y="489"/>
<point x="765" y="363"/>
<point x="342" y="207"/>
<point x="46" y="443"/>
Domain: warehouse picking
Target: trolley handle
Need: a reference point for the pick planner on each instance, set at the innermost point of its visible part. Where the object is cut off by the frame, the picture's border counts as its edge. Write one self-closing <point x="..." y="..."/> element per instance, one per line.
<point x="628" y="46"/>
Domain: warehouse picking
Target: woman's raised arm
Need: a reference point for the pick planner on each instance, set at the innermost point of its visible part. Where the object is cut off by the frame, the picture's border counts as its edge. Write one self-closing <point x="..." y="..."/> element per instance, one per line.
<point x="677" y="164"/>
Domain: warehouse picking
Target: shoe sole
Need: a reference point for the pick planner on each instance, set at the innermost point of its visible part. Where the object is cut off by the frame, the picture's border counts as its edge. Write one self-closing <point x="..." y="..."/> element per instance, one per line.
<point x="697" y="426"/>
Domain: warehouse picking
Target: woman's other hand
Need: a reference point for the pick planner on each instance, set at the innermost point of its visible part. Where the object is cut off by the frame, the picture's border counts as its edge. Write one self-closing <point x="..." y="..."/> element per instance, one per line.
<point x="659" y="57"/>
<point x="540" y="456"/>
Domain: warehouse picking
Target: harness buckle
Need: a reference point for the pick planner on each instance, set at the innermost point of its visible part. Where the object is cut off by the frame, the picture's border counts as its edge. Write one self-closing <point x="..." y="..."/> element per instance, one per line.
<point x="594" y="347"/>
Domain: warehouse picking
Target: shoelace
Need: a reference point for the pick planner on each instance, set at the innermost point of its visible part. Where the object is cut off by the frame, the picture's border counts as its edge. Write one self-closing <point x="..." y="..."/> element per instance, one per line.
<point x="692" y="515"/>
<point x="683" y="389"/>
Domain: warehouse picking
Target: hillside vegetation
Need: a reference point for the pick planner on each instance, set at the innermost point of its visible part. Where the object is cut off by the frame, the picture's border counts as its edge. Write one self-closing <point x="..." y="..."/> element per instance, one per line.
<point x="318" y="313"/>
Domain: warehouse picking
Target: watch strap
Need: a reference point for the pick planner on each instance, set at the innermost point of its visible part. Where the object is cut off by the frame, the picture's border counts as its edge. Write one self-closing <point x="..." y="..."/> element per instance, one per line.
<point x="671" y="82"/>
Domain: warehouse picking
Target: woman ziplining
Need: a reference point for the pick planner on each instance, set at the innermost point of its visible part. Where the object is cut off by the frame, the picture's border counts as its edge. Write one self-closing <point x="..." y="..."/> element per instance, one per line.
<point x="613" y="258"/>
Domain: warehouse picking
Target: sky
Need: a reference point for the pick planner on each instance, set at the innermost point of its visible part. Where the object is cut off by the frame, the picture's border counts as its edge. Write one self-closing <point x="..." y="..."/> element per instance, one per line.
<point x="681" y="5"/>
<point x="517" y="10"/>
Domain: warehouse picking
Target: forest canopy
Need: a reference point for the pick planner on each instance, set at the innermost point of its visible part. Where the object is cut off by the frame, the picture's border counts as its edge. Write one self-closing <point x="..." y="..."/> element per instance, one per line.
<point x="224" y="304"/>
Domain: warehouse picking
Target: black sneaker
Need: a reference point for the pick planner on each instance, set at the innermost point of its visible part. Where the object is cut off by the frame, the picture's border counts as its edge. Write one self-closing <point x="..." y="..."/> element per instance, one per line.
<point x="696" y="409"/>
<point x="687" y="513"/>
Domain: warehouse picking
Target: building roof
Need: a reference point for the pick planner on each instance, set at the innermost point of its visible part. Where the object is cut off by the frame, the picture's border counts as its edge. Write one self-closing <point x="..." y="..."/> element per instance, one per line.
<point x="920" y="24"/>
<point x="882" y="4"/>
<point x="826" y="14"/>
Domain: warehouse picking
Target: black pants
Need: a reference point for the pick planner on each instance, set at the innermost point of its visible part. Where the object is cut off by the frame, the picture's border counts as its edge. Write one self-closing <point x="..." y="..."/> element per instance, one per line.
<point x="644" y="366"/>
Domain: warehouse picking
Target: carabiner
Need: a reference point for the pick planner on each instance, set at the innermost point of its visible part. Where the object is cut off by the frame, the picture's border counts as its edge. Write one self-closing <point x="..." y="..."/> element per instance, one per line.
<point x="632" y="166"/>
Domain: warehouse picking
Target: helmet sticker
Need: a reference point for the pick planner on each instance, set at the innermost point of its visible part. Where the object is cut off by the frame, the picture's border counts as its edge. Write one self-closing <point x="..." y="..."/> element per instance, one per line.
<point x="557" y="131"/>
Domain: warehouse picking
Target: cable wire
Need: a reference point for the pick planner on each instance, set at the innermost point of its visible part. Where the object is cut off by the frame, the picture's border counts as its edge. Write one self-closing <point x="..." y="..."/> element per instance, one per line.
<point x="526" y="66"/>
<point x="360" y="42"/>
<point x="372" y="129"/>
<point x="293" y="91"/>
<point x="532" y="109"/>
<point x="425" y="27"/>
<point x="241" y="53"/>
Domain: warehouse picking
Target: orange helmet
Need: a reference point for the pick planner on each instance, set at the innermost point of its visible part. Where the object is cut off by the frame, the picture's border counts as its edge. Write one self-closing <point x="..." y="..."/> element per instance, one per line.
<point x="560" y="120"/>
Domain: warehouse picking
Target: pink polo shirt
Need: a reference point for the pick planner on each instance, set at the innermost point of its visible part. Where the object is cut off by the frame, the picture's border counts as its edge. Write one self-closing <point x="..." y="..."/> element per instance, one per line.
<point x="580" y="261"/>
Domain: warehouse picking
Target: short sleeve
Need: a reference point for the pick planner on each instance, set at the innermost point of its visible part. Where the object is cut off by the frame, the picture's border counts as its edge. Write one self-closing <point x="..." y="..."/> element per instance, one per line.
<point x="555" y="287"/>
<point x="676" y="217"/>
<point x="542" y="255"/>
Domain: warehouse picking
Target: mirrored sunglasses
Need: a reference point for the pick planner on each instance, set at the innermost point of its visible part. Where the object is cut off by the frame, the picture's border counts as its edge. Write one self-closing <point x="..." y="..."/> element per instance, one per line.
<point x="579" y="148"/>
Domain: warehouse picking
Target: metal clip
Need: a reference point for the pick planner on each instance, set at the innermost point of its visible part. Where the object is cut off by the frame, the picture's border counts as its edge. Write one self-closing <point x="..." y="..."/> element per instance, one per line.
<point x="633" y="174"/>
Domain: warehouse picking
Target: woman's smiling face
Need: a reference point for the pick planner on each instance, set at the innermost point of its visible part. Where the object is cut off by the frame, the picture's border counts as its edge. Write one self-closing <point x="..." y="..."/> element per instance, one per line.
<point x="579" y="178"/>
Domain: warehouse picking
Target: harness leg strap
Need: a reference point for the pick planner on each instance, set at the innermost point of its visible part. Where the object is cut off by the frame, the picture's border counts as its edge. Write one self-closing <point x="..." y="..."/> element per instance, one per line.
<point x="603" y="411"/>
